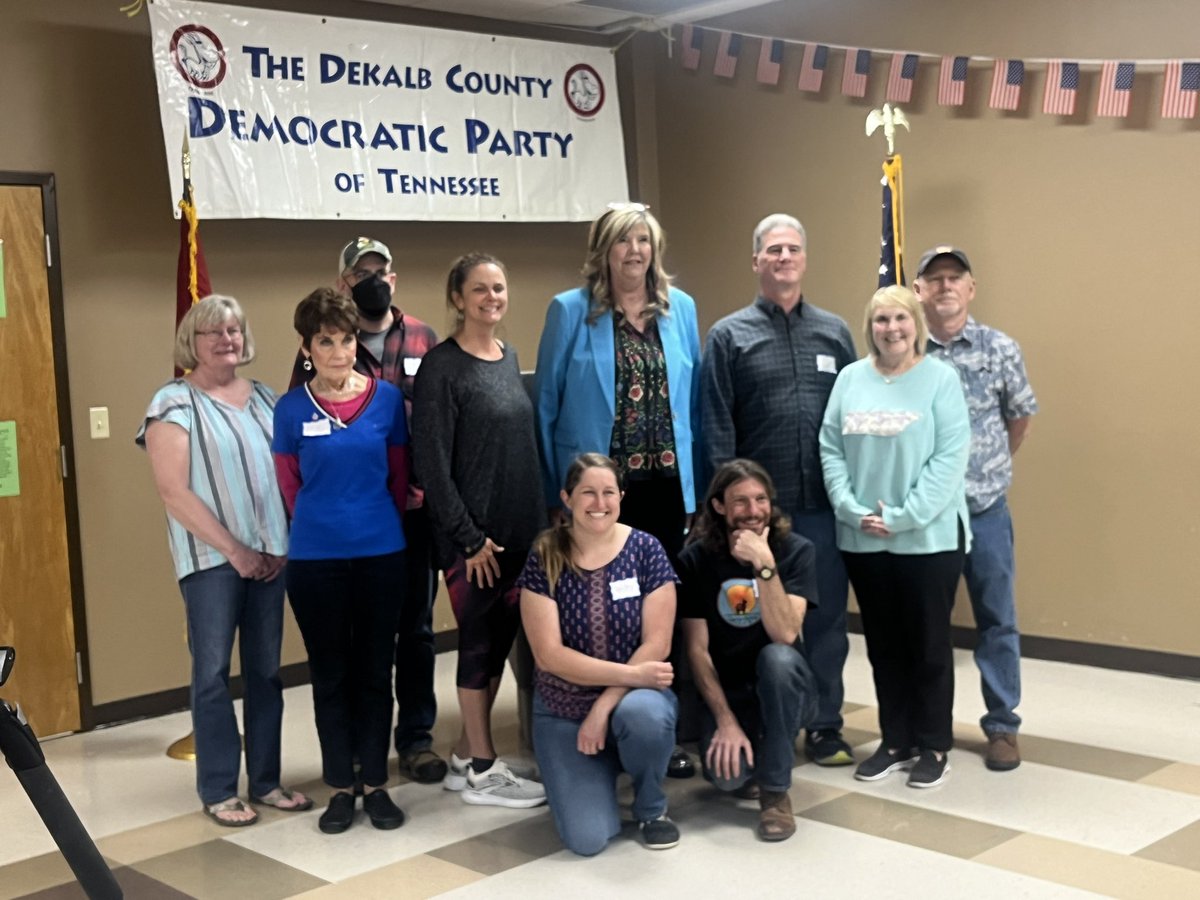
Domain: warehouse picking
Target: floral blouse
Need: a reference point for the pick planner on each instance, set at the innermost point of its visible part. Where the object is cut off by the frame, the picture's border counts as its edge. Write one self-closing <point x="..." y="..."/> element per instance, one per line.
<point x="643" y="440"/>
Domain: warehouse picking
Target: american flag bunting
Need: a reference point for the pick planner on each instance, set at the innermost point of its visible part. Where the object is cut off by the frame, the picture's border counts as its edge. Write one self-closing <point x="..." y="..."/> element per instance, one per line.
<point x="1116" y="84"/>
<point x="901" y="77"/>
<point x="693" y="40"/>
<point x="1007" y="77"/>
<point x="1181" y="84"/>
<point x="812" y="67"/>
<point x="770" y="58"/>
<point x="728" y="49"/>
<point x="1062" y="84"/>
<point x="952" y="81"/>
<point x="855" y="72"/>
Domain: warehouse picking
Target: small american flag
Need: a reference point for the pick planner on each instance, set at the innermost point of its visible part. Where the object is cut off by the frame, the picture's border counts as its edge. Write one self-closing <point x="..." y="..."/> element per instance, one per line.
<point x="770" y="57"/>
<point x="1007" y="77"/>
<point x="693" y="40"/>
<point x="727" y="54"/>
<point x="1181" y="84"/>
<point x="1062" y="84"/>
<point x="952" y="80"/>
<point x="900" y="79"/>
<point x="812" y="67"/>
<point x="1116" y="84"/>
<point x="855" y="71"/>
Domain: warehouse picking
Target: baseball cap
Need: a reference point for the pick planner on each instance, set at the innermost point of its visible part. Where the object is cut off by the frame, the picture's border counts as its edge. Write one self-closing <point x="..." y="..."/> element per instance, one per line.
<point x="929" y="256"/>
<point x="360" y="247"/>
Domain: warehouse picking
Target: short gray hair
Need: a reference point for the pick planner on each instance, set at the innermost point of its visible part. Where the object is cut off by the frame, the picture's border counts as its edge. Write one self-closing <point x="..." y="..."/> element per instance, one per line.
<point x="778" y="220"/>
<point x="211" y="312"/>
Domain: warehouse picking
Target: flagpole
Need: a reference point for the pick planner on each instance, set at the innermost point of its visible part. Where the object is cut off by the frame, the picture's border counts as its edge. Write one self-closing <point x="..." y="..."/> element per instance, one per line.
<point x="891" y="252"/>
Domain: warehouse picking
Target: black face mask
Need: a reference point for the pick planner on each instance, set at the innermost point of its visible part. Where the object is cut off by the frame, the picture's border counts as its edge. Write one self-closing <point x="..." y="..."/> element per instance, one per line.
<point x="372" y="296"/>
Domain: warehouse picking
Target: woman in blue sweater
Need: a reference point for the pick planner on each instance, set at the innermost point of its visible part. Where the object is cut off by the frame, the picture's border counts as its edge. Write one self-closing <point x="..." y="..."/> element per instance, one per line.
<point x="894" y="447"/>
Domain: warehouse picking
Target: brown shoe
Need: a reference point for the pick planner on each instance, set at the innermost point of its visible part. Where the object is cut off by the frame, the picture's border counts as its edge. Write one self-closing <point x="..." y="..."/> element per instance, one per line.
<point x="776" y="821"/>
<point x="1002" y="752"/>
<point x="748" y="791"/>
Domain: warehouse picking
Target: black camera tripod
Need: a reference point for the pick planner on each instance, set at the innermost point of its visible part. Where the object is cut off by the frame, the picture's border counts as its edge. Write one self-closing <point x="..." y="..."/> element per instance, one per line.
<point x="24" y="756"/>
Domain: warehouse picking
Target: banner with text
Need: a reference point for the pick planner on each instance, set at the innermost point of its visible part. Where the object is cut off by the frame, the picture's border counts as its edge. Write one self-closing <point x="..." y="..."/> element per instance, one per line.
<point x="305" y="117"/>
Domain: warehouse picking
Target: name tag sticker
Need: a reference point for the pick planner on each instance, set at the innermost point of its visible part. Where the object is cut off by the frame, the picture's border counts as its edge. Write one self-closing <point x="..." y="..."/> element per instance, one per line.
<point x="826" y="363"/>
<point x="319" y="428"/>
<point x="411" y="364"/>
<point x="625" y="588"/>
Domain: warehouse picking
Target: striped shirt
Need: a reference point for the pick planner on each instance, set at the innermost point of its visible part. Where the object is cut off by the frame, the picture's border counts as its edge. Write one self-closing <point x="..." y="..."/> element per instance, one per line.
<point x="230" y="469"/>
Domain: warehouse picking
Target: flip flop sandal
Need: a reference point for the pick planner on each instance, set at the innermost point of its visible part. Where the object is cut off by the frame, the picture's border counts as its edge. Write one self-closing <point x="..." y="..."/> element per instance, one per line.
<point x="233" y="804"/>
<point x="283" y="795"/>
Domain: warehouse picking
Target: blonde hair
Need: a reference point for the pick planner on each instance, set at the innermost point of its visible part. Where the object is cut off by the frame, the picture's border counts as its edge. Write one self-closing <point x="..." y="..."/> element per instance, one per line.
<point x="613" y="225"/>
<point x="553" y="546"/>
<point x="891" y="296"/>
<point x="211" y="312"/>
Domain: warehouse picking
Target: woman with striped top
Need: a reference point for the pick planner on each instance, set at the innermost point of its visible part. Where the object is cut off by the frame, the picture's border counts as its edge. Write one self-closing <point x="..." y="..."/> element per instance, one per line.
<point x="208" y="436"/>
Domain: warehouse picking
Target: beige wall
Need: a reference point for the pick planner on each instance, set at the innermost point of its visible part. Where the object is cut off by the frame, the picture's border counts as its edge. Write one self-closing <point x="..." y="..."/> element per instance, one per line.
<point x="1074" y="227"/>
<point x="1082" y="233"/>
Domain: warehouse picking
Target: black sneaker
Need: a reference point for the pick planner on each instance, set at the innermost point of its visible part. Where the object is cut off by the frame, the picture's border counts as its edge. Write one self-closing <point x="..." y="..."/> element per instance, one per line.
<point x="660" y="833"/>
<point x="680" y="765"/>
<point x="929" y="770"/>
<point x="884" y="762"/>
<point x="827" y="748"/>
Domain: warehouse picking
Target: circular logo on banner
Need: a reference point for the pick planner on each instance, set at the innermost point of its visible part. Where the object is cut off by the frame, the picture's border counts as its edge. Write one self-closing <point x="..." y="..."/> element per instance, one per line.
<point x="737" y="603"/>
<point x="198" y="55"/>
<point x="584" y="90"/>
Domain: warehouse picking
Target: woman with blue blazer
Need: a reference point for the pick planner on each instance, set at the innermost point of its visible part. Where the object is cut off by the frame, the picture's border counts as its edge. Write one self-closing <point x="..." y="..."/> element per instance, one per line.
<point x="618" y="374"/>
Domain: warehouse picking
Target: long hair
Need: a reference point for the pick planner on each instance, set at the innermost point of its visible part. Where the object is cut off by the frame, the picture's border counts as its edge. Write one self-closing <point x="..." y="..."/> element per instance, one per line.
<point x="553" y="546"/>
<point x="710" y="529"/>
<point x="606" y="231"/>
<point x="457" y="277"/>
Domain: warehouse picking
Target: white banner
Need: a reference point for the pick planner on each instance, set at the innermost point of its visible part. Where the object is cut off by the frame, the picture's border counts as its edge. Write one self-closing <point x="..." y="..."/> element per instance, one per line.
<point x="305" y="117"/>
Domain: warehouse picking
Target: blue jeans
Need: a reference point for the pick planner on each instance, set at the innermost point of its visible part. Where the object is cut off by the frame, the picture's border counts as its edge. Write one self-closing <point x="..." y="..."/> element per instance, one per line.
<point x="771" y="712"/>
<point x="221" y="603"/>
<point x="989" y="575"/>
<point x="416" y="703"/>
<point x="825" y="638"/>
<point x="347" y="610"/>
<point x="582" y="790"/>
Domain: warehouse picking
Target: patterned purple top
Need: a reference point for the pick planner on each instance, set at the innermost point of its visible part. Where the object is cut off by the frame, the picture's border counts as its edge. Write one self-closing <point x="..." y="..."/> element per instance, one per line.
<point x="599" y="614"/>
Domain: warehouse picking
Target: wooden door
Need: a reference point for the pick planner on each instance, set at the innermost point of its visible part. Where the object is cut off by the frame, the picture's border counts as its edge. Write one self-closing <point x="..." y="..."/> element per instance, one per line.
<point x="37" y="612"/>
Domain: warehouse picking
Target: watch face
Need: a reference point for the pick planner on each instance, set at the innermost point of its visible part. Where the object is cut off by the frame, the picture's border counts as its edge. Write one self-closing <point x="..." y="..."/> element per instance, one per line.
<point x="584" y="90"/>
<point x="765" y="572"/>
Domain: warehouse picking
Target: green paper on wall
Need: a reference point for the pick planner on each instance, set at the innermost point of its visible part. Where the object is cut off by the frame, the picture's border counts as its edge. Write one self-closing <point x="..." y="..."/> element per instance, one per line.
<point x="10" y="476"/>
<point x="3" y="302"/>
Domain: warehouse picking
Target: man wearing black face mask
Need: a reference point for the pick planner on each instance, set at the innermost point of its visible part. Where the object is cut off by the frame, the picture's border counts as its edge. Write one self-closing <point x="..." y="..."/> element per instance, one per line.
<point x="391" y="345"/>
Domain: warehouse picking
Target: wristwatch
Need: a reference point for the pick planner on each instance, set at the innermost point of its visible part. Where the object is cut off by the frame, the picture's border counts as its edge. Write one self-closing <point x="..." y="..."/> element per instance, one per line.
<point x="766" y="573"/>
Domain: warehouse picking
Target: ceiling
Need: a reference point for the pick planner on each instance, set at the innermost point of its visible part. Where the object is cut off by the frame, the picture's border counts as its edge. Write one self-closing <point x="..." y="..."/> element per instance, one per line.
<point x="601" y="16"/>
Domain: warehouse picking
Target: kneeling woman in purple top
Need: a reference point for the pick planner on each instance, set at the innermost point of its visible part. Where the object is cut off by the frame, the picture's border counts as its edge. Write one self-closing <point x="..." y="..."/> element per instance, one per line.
<point x="598" y="604"/>
<point x="341" y="456"/>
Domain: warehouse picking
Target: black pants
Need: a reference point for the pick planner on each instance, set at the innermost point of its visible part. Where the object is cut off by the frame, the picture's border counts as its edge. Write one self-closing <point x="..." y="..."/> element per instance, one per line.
<point x="416" y="702"/>
<point x="347" y="610"/>
<point x="905" y="602"/>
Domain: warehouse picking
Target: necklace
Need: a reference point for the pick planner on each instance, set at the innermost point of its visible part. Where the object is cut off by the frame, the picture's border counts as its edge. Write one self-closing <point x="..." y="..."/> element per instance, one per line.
<point x="334" y="418"/>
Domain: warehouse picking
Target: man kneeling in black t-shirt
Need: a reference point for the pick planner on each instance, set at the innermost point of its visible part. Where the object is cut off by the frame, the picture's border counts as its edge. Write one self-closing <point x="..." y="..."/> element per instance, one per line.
<point x="747" y="580"/>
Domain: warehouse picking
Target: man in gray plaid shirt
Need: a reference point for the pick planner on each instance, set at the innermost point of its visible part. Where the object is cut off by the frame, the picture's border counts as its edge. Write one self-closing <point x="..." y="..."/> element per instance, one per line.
<point x="1001" y="403"/>
<point x="767" y="372"/>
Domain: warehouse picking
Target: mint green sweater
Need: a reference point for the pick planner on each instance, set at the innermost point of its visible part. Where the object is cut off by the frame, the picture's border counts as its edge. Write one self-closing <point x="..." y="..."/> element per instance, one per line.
<point x="903" y="442"/>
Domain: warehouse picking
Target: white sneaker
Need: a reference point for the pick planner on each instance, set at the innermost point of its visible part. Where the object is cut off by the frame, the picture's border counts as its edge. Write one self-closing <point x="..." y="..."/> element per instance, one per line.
<point x="456" y="773"/>
<point x="498" y="786"/>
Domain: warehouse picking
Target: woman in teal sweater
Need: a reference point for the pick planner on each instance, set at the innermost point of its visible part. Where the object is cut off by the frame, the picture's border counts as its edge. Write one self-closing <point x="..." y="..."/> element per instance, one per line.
<point x="894" y="448"/>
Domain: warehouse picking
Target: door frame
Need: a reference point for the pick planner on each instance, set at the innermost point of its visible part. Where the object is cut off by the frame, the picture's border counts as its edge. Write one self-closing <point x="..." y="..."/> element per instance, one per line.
<point x="46" y="182"/>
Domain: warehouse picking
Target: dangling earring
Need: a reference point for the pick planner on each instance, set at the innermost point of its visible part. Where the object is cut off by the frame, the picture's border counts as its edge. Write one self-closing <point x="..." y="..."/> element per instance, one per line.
<point x="307" y="364"/>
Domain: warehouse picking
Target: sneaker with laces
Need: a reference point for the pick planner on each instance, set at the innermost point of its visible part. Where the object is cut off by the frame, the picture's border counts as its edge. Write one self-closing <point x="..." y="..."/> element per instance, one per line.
<point x="827" y="748"/>
<point x="884" y="762"/>
<point x="456" y="773"/>
<point x="498" y="786"/>
<point x="660" y="833"/>
<point x="930" y="769"/>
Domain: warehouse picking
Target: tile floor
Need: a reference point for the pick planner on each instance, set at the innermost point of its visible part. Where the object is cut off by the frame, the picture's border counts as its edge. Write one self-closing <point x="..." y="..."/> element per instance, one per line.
<point x="1106" y="803"/>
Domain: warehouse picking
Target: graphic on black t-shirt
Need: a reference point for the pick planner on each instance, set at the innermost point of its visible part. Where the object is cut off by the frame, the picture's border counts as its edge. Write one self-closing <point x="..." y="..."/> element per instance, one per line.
<point x="737" y="602"/>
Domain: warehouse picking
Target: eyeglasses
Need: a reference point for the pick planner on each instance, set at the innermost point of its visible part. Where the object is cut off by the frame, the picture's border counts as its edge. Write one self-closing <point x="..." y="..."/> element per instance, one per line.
<point x="358" y="275"/>
<point x="233" y="331"/>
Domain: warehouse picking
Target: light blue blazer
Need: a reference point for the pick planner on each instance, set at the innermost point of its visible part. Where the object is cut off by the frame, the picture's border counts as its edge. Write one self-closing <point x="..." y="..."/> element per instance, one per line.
<point x="575" y="386"/>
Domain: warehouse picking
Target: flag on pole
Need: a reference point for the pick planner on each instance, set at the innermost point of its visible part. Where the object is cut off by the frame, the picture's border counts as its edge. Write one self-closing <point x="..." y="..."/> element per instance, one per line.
<point x="812" y="67"/>
<point x="901" y="77"/>
<point x="855" y="72"/>
<point x="727" y="54"/>
<point x="1062" y="84"/>
<point x="891" y="243"/>
<point x="1181" y="84"/>
<point x="693" y="40"/>
<point x="770" y="58"/>
<point x="952" y="81"/>
<point x="1007" y="77"/>
<point x="1116" y="84"/>
<point x="191" y="283"/>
